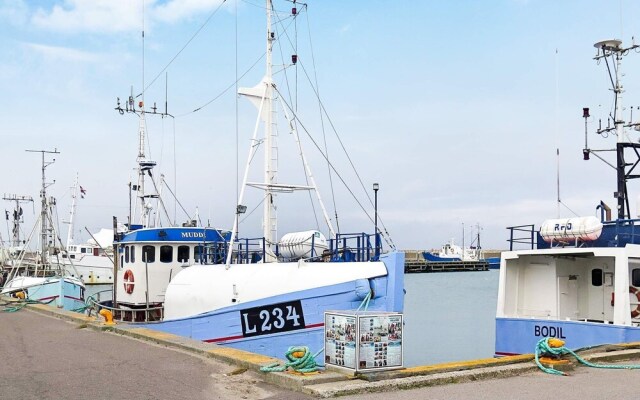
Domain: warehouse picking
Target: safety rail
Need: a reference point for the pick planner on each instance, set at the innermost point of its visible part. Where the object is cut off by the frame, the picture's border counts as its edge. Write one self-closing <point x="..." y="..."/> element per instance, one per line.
<point x="529" y="239"/>
<point x="345" y="247"/>
<point x="124" y="313"/>
<point x="342" y="247"/>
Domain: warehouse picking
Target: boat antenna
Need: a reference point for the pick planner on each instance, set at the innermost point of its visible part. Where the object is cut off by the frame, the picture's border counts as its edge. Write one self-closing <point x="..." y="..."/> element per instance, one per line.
<point x="44" y="229"/>
<point x="558" y="180"/>
<point x="613" y="50"/>
<point x="17" y="218"/>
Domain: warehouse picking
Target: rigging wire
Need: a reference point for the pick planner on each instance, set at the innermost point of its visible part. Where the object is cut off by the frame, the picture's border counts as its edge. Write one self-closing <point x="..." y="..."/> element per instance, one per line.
<point x="386" y="236"/>
<point x="226" y="89"/>
<point x="197" y="32"/>
<point x="295" y="98"/>
<point x="341" y="144"/>
<point x="324" y="134"/>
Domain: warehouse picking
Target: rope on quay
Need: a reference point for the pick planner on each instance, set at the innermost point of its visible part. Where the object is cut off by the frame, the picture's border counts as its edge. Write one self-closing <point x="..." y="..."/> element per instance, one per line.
<point x="555" y="347"/>
<point x="299" y="359"/>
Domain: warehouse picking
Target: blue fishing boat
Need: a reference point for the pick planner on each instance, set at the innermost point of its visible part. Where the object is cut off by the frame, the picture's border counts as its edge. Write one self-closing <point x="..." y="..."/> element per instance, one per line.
<point x="31" y="276"/>
<point x="579" y="278"/>
<point x="258" y="294"/>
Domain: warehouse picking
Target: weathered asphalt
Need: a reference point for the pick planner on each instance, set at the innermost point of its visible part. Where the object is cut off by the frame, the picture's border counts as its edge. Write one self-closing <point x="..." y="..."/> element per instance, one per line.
<point x="51" y="354"/>
<point x="582" y="383"/>
<point x="47" y="358"/>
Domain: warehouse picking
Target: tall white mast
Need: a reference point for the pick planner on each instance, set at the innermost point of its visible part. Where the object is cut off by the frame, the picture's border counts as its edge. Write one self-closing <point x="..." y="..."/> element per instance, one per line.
<point x="269" y="222"/>
<point x="72" y="213"/>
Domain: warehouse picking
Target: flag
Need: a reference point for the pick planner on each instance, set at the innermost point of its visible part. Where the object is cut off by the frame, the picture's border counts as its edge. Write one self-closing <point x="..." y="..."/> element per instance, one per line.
<point x="82" y="192"/>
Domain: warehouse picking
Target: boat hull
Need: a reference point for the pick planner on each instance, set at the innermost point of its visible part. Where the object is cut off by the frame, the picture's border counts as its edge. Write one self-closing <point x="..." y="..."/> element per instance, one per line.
<point x="239" y="326"/>
<point x="49" y="291"/>
<point x="520" y="336"/>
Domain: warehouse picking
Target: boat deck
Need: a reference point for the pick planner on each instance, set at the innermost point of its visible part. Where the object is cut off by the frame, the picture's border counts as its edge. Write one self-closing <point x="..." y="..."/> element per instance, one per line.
<point x="416" y="266"/>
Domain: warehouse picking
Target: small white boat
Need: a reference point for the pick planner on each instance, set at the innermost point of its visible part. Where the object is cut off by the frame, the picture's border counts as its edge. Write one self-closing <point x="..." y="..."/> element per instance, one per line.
<point x="92" y="261"/>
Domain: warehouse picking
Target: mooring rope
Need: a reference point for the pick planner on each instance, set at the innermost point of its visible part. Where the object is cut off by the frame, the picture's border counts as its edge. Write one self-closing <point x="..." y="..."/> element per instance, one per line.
<point x="299" y="359"/>
<point x="556" y="347"/>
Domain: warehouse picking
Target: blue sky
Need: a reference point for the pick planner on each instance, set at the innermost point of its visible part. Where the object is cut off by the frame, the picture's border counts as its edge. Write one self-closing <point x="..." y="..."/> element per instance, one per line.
<point x="456" y="108"/>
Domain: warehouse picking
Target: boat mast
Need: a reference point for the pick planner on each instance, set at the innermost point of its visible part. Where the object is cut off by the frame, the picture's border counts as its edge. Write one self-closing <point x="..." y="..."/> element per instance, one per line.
<point x="44" y="218"/>
<point x="72" y="213"/>
<point x="269" y="222"/>
<point x="17" y="216"/>
<point x="614" y="49"/>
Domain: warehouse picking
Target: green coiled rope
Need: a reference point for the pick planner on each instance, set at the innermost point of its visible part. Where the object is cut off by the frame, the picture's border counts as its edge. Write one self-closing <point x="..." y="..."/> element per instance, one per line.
<point x="305" y="364"/>
<point x="543" y="347"/>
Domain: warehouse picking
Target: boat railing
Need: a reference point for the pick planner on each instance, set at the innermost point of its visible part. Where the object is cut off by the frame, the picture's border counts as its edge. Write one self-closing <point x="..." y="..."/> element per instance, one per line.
<point x="350" y="247"/>
<point x="345" y="247"/>
<point x="123" y="313"/>
<point x="621" y="232"/>
<point x="522" y="235"/>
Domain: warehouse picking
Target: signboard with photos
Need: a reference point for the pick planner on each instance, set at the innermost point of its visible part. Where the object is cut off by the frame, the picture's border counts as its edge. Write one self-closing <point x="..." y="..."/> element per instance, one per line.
<point x="363" y="340"/>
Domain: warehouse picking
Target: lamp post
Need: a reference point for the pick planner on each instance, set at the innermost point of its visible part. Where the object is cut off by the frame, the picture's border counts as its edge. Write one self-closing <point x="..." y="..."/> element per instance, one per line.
<point x="375" y="208"/>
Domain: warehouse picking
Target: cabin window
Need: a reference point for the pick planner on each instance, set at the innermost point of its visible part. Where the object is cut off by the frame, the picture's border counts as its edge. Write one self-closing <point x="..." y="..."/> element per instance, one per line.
<point x="635" y="277"/>
<point x="83" y="249"/>
<point x="596" y="277"/>
<point x="133" y="254"/>
<point x="126" y="253"/>
<point x="166" y="254"/>
<point x="148" y="254"/>
<point x="183" y="253"/>
<point x="197" y="254"/>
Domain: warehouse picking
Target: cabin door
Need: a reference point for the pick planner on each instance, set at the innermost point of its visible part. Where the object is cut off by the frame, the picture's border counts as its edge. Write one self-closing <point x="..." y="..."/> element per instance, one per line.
<point x="568" y="297"/>
<point x="607" y="283"/>
<point x="599" y="294"/>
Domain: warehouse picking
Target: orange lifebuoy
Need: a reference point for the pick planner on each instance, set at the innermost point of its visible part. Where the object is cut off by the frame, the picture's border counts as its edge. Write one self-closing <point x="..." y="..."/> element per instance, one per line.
<point x="636" y="312"/>
<point x="128" y="281"/>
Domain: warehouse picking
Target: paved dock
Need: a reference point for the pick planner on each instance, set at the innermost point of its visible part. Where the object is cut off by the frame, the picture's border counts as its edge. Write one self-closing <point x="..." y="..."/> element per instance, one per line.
<point x="42" y="357"/>
<point x="51" y="354"/>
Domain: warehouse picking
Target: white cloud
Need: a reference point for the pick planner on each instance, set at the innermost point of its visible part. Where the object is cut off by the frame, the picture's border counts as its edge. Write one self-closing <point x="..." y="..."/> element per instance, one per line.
<point x="176" y="10"/>
<point x="109" y="16"/>
<point x="64" y="53"/>
<point x="90" y="16"/>
<point x="14" y="11"/>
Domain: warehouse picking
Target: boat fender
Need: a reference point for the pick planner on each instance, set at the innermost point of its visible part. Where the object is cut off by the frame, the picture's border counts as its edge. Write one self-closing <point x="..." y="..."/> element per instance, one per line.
<point x="635" y="312"/>
<point x="128" y="281"/>
<point x="108" y="316"/>
<point x="21" y="295"/>
<point x="362" y="288"/>
<point x="379" y="287"/>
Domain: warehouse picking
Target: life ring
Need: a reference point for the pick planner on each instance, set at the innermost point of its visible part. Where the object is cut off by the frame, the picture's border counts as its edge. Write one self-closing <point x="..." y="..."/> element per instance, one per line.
<point x="636" y="312"/>
<point x="128" y="281"/>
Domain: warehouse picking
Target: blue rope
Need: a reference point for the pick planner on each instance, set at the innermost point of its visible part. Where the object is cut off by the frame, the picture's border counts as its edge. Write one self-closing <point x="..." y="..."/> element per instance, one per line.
<point x="365" y="302"/>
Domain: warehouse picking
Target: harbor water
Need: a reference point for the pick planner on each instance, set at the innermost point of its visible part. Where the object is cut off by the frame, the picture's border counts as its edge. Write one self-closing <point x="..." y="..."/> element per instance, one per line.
<point x="449" y="316"/>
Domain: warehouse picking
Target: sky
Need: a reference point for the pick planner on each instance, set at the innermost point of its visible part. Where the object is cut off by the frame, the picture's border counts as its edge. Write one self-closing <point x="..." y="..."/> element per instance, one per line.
<point x="455" y="108"/>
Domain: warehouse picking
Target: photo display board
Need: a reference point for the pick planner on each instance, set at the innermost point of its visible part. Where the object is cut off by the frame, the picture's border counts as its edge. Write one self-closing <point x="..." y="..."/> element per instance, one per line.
<point x="363" y="340"/>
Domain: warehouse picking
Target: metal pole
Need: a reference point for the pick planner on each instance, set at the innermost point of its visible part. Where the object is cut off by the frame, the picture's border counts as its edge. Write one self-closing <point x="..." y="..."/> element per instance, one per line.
<point x="375" y="207"/>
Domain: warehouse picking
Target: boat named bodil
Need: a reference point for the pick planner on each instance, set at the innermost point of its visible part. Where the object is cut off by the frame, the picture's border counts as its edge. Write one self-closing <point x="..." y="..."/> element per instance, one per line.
<point x="580" y="278"/>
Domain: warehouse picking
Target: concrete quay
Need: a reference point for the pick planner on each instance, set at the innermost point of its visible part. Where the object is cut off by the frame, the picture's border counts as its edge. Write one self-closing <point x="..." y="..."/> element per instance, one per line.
<point x="84" y="358"/>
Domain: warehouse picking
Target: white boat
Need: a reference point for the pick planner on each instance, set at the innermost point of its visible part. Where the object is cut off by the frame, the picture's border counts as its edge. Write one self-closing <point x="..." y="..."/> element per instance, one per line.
<point x="450" y="252"/>
<point x="579" y="279"/>
<point x="91" y="261"/>
<point x="33" y="277"/>
<point x="261" y="295"/>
